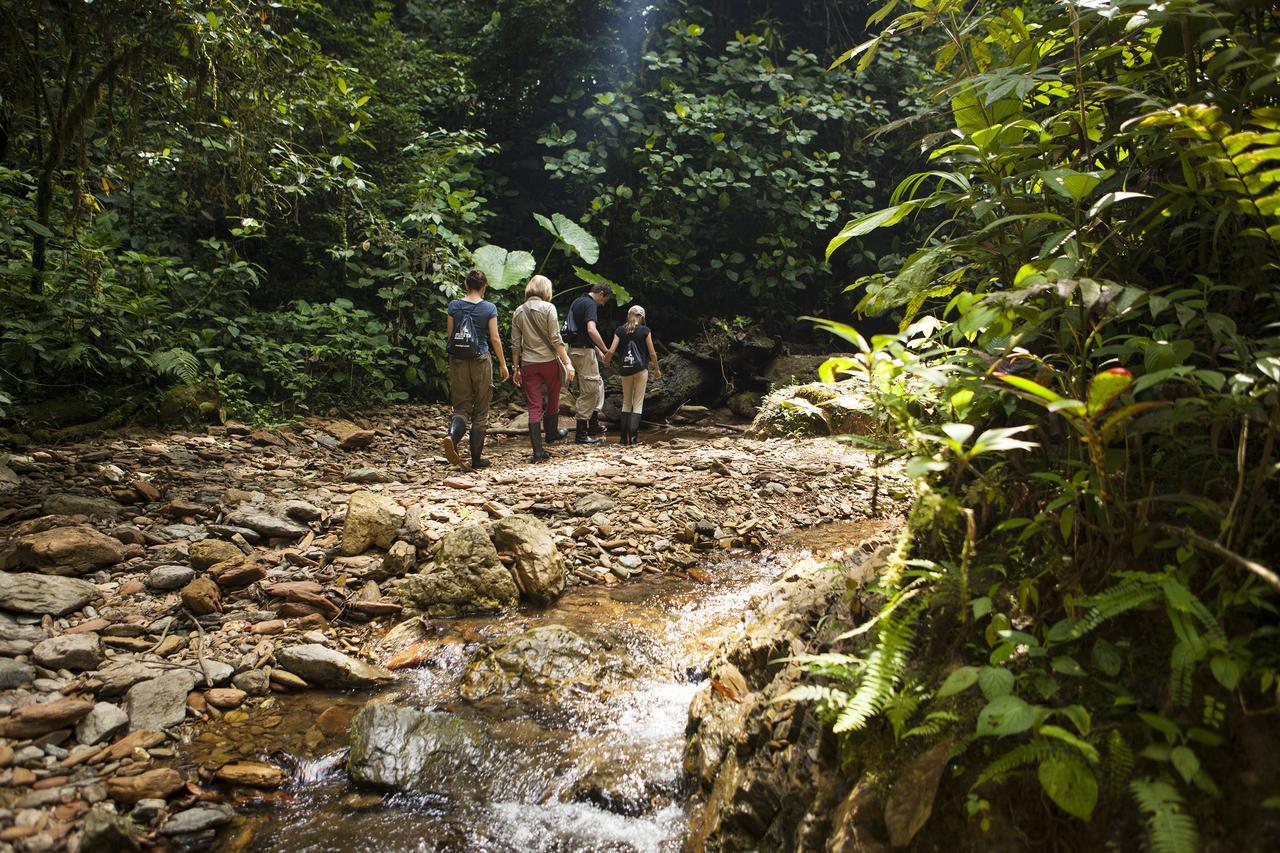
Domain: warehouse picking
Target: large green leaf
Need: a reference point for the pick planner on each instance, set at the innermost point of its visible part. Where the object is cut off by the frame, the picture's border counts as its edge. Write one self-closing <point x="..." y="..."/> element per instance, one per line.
<point x="572" y="235"/>
<point x="1070" y="784"/>
<point x="1105" y="387"/>
<point x="620" y="294"/>
<point x="503" y="269"/>
<point x="1005" y="715"/>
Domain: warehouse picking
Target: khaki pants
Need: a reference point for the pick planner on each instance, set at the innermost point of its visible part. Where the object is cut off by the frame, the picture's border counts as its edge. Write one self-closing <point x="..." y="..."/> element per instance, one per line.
<point x="633" y="391"/>
<point x="590" y="386"/>
<point x="471" y="388"/>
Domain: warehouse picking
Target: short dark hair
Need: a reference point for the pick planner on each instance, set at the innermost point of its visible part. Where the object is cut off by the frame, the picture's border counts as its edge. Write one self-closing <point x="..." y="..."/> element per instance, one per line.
<point x="602" y="288"/>
<point x="476" y="280"/>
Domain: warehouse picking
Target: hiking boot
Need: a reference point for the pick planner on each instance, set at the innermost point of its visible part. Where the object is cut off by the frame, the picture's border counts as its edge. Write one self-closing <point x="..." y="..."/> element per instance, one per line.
<point x="535" y="439"/>
<point x="452" y="439"/>
<point x="582" y="436"/>
<point x="594" y="426"/>
<point x="477" y="449"/>
<point x="634" y="427"/>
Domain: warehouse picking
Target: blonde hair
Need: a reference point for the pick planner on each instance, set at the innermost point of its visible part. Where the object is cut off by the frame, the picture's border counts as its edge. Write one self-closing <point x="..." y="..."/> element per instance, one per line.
<point x="539" y="286"/>
<point x="635" y="316"/>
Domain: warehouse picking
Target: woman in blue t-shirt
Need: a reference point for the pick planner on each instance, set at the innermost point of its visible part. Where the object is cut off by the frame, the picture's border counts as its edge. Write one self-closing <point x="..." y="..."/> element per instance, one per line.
<point x="472" y="335"/>
<point x="634" y="344"/>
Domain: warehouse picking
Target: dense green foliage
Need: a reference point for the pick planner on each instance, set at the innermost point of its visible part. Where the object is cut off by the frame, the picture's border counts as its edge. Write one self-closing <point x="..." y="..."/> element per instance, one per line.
<point x="1087" y="377"/>
<point x="270" y="205"/>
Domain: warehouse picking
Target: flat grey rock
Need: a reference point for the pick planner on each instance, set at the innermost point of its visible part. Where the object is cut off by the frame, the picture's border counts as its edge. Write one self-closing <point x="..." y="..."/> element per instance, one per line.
<point x="327" y="667"/>
<point x="26" y="592"/>
<point x="160" y="702"/>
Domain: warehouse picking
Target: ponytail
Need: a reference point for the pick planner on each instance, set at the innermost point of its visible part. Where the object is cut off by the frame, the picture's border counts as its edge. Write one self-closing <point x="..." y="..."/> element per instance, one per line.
<point x="634" y="318"/>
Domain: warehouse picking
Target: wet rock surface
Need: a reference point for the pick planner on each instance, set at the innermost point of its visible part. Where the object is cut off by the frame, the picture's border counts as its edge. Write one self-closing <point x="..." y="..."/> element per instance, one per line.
<point x="203" y="572"/>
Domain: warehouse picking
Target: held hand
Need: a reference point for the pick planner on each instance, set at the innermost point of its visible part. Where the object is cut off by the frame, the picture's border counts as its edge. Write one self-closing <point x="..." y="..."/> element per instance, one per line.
<point x="602" y="355"/>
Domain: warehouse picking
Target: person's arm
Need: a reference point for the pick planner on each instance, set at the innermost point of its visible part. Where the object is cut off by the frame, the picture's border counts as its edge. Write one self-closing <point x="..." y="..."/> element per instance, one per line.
<point x="653" y="357"/>
<point x="594" y="334"/>
<point x="448" y="328"/>
<point x="563" y="355"/>
<point x="613" y="347"/>
<point x="517" y="340"/>
<point x="495" y="344"/>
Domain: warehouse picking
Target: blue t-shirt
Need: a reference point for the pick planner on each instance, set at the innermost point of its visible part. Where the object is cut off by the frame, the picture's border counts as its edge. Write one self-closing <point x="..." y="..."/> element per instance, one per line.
<point x="480" y="313"/>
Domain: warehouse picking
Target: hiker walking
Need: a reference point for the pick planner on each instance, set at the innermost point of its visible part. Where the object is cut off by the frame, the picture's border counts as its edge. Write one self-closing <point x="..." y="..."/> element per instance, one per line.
<point x="586" y="349"/>
<point x="538" y="356"/>
<point x="472" y="335"/>
<point x="633" y="342"/>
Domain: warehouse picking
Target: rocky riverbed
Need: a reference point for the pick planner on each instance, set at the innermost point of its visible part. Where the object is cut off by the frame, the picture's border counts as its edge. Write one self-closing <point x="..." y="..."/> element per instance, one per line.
<point x="184" y="616"/>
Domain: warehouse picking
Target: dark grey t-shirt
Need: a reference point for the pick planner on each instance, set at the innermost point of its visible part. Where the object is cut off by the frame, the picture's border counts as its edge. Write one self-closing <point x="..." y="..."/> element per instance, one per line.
<point x="583" y="310"/>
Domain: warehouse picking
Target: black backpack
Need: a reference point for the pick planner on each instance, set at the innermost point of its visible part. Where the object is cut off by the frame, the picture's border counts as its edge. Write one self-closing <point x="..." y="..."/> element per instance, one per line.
<point x="569" y="328"/>
<point x="633" y="358"/>
<point x="465" y="341"/>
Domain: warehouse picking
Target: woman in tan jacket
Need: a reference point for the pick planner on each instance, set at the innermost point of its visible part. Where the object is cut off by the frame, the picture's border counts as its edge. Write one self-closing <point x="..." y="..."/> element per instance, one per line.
<point x="537" y="357"/>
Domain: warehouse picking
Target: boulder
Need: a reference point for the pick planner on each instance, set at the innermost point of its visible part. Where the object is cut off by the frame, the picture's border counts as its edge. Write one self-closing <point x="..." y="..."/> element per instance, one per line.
<point x="43" y="717"/>
<point x="76" y="652"/>
<point x="63" y="504"/>
<point x="268" y="524"/>
<point x="468" y="578"/>
<point x="152" y="784"/>
<point x="210" y="552"/>
<point x="108" y="832"/>
<point x="201" y="597"/>
<point x="170" y="577"/>
<point x="372" y="520"/>
<point x="401" y="559"/>
<point x="101" y="723"/>
<point x="15" y="673"/>
<point x="538" y="567"/>
<point x="320" y="665"/>
<point x="31" y="593"/>
<point x="405" y="749"/>
<point x="160" y="702"/>
<point x="683" y="380"/>
<point x="197" y="819"/>
<point x="73" y="550"/>
<point x="592" y="503"/>
<point x="541" y="661"/>
<point x="816" y="409"/>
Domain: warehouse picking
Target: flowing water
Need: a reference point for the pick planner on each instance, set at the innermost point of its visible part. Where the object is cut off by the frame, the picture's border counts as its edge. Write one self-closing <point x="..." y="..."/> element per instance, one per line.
<point x="577" y="769"/>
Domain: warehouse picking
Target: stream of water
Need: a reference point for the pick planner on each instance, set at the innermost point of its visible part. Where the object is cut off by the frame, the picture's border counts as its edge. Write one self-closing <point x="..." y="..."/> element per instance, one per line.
<point x="596" y="769"/>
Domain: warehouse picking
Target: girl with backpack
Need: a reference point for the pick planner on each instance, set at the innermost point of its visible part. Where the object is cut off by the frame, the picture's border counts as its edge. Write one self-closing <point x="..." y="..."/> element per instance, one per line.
<point x="634" y="344"/>
<point x="472" y="335"/>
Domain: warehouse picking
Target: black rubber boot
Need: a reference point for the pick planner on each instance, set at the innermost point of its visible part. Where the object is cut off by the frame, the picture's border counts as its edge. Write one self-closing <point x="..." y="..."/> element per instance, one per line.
<point x="635" y="427"/>
<point x="477" y="449"/>
<point x="535" y="439"/>
<point x="582" y="436"/>
<point x="624" y="430"/>
<point x="453" y="438"/>
<point x="594" y="426"/>
<point x="551" y="428"/>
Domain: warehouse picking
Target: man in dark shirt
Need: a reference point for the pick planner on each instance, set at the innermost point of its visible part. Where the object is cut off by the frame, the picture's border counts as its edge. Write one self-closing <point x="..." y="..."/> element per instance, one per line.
<point x="587" y="349"/>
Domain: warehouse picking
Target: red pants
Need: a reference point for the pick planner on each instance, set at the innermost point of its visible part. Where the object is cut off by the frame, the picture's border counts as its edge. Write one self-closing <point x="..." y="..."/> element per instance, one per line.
<point x="537" y="377"/>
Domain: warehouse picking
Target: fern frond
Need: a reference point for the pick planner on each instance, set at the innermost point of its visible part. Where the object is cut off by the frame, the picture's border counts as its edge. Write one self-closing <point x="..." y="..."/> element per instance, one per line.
<point x="934" y="722"/>
<point x="1169" y="828"/>
<point x="1027" y="753"/>
<point x="884" y="669"/>
<point x="176" y="362"/>
<point x="1134" y="591"/>
<point x="1119" y="765"/>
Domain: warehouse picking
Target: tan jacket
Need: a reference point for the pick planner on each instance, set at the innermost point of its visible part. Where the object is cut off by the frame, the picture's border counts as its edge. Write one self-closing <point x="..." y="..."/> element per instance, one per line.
<point x="528" y="345"/>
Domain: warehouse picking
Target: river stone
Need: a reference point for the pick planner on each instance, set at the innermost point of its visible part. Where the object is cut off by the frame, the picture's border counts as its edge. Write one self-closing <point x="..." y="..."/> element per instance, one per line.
<point x="468" y="578"/>
<point x="170" y="577"/>
<point x="405" y="749"/>
<point x="210" y="552"/>
<point x="401" y="559"/>
<point x="101" y="723"/>
<point x="542" y="660"/>
<point x="76" y="652"/>
<point x="15" y="673"/>
<point x="301" y="510"/>
<point x="592" y="503"/>
<point x="267" y="524"/>
<point x="118" y="676"/>
<point x="321" y="665"/>
<point x="75" y="550"/>
<point x="108" y="832"/>
<point x="32" y="593"/>
<point x="371" y="520"/>
<point x="64" y="504"/>
<point x="538" y="568"/>
<point x="159" y="702"/>
<point x="43" y="717"/>
<point x="197" y="819"/>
